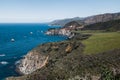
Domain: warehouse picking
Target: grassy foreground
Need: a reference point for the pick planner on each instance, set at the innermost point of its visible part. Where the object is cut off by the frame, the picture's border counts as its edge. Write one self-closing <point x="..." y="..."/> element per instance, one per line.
<point x="101" y="41"/>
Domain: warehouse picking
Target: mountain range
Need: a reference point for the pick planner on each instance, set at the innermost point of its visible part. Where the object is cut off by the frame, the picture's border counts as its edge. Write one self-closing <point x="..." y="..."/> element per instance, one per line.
<point x="88" y="20"/>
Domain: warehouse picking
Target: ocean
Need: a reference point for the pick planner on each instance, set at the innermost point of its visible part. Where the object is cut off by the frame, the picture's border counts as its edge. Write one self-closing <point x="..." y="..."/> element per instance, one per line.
<point x="17" y="39"/>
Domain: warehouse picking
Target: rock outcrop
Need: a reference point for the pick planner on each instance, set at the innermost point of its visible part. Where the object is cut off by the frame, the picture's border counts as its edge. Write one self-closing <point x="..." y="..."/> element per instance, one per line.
<point x="62" y="31"/>
<point x="66" y="30"/>
<point x="31" y="62"/>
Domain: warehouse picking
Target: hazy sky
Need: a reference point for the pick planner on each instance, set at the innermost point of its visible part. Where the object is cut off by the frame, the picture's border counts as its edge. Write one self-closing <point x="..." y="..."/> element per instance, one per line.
<point x="47" y="10"/>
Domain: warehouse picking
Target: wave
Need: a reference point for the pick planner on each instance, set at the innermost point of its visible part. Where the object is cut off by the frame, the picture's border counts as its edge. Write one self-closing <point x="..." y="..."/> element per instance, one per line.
<point x="4" y="62"/>
<point x="2" y="55"/>
<point x="17" y="62"/>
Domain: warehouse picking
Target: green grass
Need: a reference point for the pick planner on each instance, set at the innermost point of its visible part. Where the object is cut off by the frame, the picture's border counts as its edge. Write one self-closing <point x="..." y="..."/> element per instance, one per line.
<point x="101" y="41"/>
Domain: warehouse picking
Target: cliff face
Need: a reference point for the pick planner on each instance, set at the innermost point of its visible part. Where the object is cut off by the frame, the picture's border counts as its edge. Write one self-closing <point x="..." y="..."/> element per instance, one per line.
<point x="31" y="62"/>
<point x="66" y="30"/>
<point x="62" y="31"/>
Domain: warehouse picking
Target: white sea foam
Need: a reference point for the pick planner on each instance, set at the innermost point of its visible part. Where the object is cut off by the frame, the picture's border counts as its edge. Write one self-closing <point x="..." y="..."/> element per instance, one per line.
<point x="4" y="62"/>
<point x="2" y="55"/>
<point x="31" y="32"/>
<point x="12" y="40"/>
<point x="17" y="62"/>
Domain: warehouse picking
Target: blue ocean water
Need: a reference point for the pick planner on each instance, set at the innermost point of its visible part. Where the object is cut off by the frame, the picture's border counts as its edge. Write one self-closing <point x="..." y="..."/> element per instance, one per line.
<point x="26" y="36"/>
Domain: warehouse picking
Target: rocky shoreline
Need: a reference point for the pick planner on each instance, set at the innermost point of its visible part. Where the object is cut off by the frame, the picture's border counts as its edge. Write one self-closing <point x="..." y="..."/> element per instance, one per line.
<point x="66" y="30"/>
<point x="31" y="62"/>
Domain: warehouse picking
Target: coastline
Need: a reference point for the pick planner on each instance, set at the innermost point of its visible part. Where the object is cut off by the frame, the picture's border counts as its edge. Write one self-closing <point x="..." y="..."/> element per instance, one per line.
<point x="68" y="56"/>
<point x="11" y="52"/>
<point x="63" y="31"/>
<point x="76" y="36"/>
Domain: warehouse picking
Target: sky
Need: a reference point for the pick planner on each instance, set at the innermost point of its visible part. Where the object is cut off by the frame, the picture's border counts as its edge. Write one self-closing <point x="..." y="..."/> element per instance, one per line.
<point x="37" y="11"/>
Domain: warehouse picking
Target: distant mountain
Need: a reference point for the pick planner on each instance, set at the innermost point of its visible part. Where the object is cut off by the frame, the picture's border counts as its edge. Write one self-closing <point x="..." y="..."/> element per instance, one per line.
<point x="88" y="20"/>
<point x="62" y="22"/>
<point x="101" y="18"/>
<point x="109" y="22"/>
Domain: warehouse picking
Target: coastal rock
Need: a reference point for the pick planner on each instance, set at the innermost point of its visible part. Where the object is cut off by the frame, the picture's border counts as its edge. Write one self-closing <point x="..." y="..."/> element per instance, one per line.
<point x="66" y="30"/>
<point x="32" y="61"/>
<point x="61" y="31"/>
<point x="68" y="48"/>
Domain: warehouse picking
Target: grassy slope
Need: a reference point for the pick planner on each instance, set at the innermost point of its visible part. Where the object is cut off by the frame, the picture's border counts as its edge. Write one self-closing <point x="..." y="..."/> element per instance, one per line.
<point x="100" y="42"/>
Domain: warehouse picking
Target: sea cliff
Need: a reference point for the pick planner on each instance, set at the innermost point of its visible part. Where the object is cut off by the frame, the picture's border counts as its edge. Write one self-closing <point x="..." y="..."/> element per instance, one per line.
<point x="65" y="61"/>
<point x="31" y="62"/>
<point x="66" y="30"/>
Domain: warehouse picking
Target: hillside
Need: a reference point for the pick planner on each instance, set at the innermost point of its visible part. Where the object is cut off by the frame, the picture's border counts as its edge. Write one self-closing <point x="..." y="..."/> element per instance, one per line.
<point x="89" y="20"/>
<point x="62" y="22"/>
<point x="113" y="25"/>
<point x="67" y="61"/>
<point x="108" y="22"/>
<point x="100" y="41"/>
<point x="101" y="18"/>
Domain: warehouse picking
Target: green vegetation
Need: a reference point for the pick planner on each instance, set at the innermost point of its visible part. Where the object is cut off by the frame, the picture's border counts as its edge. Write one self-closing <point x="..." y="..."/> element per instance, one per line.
<point x="107" y="74"/>
<point x="100" y="42"/>
<point x="112" y="25"/>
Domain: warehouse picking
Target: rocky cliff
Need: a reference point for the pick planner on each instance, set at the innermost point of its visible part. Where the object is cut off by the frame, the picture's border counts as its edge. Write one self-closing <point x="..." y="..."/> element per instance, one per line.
<point x="31" y="62"/>
<point x="66" y="30"/>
